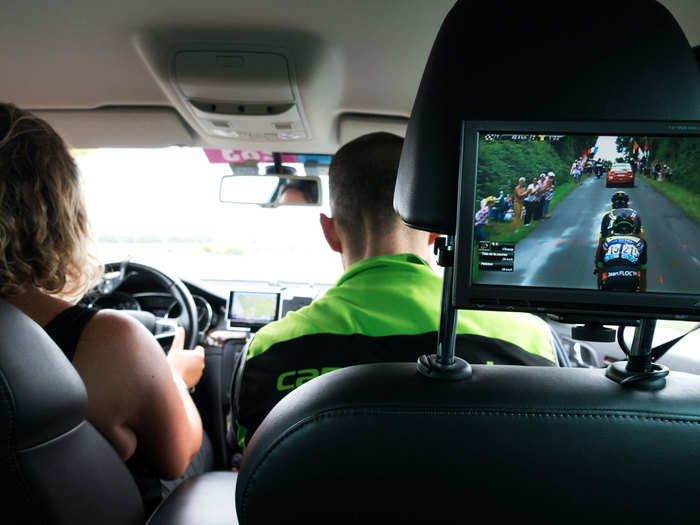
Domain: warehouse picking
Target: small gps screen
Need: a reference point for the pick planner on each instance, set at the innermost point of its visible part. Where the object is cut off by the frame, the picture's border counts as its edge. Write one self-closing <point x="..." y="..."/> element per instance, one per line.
<point x="608" y="212"/>
<point x="252" y="308"/>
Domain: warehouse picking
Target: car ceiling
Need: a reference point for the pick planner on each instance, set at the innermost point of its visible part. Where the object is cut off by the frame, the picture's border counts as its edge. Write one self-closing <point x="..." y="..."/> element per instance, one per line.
<point x="359" y="57"/>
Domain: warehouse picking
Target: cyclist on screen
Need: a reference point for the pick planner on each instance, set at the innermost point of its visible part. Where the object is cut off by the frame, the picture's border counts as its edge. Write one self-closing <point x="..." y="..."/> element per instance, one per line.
<point x="621" y="259"/>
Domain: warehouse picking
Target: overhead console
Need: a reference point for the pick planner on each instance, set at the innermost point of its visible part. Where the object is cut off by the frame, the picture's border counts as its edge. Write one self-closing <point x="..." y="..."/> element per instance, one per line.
<point x="247" y="96"/>
<point x="249" y="88"/>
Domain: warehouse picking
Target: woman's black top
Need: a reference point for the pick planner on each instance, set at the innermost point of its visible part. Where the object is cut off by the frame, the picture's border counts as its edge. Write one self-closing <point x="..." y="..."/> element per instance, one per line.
<point x="66" y="328"/>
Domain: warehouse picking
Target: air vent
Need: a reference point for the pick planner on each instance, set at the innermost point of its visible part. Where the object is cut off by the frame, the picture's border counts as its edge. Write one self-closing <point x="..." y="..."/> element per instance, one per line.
<point x="247" y="96"/>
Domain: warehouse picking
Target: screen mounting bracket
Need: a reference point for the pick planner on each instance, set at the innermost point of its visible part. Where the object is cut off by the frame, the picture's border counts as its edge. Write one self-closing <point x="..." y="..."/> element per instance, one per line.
<point x="444" y="364"/>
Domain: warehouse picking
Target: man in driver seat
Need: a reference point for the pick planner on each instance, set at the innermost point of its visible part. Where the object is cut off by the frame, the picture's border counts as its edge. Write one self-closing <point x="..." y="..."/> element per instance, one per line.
<point x="385" y="307"/>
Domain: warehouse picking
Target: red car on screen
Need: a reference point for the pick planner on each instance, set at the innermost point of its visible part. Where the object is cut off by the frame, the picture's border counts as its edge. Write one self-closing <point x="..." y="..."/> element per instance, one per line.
<point x="620" y="173"/>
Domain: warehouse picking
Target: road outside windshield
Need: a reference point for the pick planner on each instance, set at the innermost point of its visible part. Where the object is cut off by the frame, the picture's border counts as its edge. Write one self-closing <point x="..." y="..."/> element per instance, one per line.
<point x="161" y="207"/>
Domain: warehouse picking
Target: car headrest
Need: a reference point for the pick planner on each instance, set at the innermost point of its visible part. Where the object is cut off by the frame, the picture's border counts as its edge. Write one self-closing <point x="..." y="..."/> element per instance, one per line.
<point x="626" y="60"/>
<point x="381" y="443"/>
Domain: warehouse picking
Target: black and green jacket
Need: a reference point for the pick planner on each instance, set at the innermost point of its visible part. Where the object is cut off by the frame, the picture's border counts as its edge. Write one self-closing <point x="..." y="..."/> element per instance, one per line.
<point x="382" y="309"/>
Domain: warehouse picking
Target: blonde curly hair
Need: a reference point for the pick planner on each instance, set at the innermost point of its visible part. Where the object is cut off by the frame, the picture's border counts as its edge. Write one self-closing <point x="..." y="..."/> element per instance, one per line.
<point x="44" y="231"/>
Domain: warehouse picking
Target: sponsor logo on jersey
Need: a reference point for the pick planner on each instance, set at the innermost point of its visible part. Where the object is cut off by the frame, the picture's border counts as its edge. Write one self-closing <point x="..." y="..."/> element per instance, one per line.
<point x="294" y="378"/>
<point x="621" y="273"/>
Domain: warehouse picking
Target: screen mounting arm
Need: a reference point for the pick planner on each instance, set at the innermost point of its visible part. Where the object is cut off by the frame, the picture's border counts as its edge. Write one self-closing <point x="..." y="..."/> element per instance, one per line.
<point x="445" y="365"/>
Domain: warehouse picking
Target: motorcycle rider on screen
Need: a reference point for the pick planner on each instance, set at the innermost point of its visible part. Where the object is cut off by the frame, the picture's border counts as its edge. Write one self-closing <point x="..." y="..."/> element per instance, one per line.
<point x="599" y="167"/>
<point x="620" y="201"/>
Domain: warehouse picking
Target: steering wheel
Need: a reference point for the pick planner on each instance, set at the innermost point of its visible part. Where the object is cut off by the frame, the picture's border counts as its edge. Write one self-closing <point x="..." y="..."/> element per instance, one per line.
<point x="116" y="273"/>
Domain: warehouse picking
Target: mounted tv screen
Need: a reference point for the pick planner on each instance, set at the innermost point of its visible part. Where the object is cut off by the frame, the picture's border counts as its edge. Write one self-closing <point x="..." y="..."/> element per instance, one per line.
<point x="600" y="217"/>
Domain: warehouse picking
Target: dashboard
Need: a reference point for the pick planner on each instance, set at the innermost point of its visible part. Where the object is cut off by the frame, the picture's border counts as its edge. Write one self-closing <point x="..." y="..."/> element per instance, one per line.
<point x="217" y="313"/>
<point x="141" y="292"/>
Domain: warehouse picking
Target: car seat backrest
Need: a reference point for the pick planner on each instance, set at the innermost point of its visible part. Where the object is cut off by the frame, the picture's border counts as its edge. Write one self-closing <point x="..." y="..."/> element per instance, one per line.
<point x="54" y="466"/>
<point x="550" y="60"/>
<point x="527" y="444"/>
<point x="383" y="443"/>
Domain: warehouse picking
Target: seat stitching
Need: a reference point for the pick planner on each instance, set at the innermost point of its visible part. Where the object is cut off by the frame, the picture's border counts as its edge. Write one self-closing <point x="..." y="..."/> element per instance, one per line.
<point x="557" y="412"/>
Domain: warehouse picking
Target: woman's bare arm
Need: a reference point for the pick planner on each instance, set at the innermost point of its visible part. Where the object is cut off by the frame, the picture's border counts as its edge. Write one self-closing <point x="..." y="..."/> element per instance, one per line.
<point x="134" y="398"/>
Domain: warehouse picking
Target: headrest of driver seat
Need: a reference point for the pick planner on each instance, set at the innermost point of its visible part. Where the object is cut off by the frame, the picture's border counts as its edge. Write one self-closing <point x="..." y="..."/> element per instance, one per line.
<point x="625" y="60"/>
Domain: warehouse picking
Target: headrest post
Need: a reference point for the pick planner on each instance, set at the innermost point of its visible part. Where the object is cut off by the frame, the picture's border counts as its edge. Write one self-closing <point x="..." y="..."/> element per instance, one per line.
<point x="444" y="364"/>
<point x="448" y="314"/>
<point x="639" y="371"/>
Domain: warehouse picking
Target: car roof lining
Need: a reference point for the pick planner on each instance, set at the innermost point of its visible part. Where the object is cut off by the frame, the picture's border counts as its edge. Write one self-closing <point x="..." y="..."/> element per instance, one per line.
<point x="362" y="57"/>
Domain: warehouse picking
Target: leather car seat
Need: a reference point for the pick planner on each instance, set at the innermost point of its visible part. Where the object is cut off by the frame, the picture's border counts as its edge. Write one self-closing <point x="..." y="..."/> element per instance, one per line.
<point x="55" y="467"/>
<point x="383" y="443"/>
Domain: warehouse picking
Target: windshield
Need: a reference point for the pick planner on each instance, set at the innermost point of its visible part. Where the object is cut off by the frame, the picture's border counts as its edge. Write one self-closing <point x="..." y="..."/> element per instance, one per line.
<point x="161" y="207"/>
<point x="621" y="167"/>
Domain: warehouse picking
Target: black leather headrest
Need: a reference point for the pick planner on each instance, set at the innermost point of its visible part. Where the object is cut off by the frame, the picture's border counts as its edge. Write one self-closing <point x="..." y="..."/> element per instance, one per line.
<point x="383" y="444"/>
<point x="601" y="60"/>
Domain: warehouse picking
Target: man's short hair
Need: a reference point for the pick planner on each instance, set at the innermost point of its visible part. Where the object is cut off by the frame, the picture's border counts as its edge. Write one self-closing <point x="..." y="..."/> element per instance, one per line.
<point x="362" y="179"/>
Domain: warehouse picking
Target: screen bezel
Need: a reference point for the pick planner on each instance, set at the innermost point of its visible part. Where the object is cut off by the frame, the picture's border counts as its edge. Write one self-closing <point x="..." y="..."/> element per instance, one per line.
<point x="233" y="323"/>
<point x="571" y="301"/>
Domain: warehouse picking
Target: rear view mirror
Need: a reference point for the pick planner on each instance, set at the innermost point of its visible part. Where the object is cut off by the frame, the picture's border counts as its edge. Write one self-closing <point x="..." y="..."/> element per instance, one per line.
<point x="271" y="191"/>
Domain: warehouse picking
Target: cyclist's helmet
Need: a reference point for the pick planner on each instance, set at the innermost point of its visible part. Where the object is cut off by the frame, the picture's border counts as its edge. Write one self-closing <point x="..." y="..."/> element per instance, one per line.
<point x="626" y="221"/>
<point x="620" y="199"/>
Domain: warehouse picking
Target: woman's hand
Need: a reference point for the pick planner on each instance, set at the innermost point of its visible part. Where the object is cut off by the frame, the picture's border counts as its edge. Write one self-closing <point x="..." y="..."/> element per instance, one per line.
<point x="187" y="364"/>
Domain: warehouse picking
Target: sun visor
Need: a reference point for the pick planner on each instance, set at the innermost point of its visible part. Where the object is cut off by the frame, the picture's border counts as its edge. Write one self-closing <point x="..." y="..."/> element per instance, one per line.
<point x="626" y="60"/>
<point x="352" y="126"/>
<point x="119" y="127"/>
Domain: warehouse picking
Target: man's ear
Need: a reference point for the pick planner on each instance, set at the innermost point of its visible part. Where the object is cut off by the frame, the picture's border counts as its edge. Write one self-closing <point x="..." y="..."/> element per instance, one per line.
<point x="331" y="235"/>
